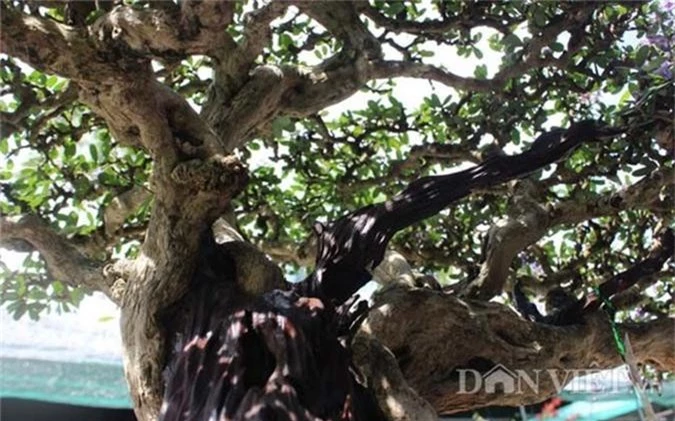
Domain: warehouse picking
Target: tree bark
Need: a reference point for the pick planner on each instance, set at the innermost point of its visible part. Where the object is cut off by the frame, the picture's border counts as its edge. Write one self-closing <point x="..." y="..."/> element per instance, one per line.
<point x="163" y="291"/>
<point x="434" y="335"/>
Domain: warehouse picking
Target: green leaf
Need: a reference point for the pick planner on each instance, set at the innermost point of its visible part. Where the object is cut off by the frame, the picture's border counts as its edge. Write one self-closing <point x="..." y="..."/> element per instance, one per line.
<point x="59" y="85"/>
<point x="512" y="41"/>
<point x="558" y="47"/>
<point x="57" y="287"/>
<point x="540" y="18"/>
<point x="280" y="124"/>
<point x="285" y="40"/>
<point x="34" y="313"/>
<point x="395" y="7"/>
<point x="478" y="53"/>
<point x="51" y="81"/>
<point x="515" y="136"/>
<point x="69" y="150"/>
<point x="93" y="152"/>
<point x="20" y="311"/>
<point x="480" y="72"/>
<point x="37" y="294"/>
<point x="641" y="55"/>
<point x="37" y="77"/>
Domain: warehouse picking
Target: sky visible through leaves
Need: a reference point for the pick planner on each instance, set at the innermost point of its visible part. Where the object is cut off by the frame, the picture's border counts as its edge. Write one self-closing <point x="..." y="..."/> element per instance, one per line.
<point x="345" y="157"/>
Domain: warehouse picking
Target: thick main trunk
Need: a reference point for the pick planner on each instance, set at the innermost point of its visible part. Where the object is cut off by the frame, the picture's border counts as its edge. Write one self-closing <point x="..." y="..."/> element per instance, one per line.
<point x="410" y="353"/>
<point x="110" y="62"/>
<point x="304" y="329"/>
<point x="245" y="350"/>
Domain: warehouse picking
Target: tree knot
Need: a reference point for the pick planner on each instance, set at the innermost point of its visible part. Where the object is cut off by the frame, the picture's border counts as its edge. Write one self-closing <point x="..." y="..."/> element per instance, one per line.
<point x="216" y="173"/>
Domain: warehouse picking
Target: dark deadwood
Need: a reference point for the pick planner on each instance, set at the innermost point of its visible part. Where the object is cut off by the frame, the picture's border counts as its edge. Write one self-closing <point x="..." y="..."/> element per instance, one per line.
<point x="286" y="355"/>
<point x="349" y="248"/>
<point x="276" y="357"/>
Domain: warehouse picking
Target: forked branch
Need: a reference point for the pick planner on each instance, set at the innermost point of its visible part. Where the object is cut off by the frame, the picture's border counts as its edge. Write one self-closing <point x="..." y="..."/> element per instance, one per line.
<point x="574" y="311"/>
<point x="63" y="259"/>
<point x="352" y="246"/>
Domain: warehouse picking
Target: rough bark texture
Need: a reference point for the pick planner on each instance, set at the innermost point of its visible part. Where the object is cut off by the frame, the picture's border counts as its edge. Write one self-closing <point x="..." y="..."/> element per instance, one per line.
<point x="433" y="335"/>
<point x="64" y="259"/>
<point x="529" y="220"/>
<point x="177" y="290"/>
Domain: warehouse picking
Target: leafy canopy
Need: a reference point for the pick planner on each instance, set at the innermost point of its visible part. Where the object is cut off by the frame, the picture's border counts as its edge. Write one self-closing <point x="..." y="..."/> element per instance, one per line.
<point x="61" y="163"/>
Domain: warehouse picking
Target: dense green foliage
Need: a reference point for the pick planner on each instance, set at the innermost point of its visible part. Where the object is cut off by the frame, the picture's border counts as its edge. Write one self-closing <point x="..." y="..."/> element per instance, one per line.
<point x="59" y="160"/>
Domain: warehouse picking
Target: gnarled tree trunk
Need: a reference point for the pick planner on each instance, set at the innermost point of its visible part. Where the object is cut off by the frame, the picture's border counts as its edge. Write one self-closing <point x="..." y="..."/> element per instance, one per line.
<point x="214" y="329"/>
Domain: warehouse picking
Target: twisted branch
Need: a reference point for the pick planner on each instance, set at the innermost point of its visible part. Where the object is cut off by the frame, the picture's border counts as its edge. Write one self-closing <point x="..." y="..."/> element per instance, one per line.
<point x="63" y="259"/>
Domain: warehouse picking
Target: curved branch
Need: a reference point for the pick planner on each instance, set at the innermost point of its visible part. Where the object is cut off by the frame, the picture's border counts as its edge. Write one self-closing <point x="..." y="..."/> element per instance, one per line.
<point x="314" y="89"/>
<point x="63" y="259"/>
<point x="438" y="27"/>
<point x="388" y="69"/>
<point x="343" y="21"/>
<point x="635" y="297"/>
<point x="530" y="221"/>
<point x="661" y="251"/>
<point x="198" y="28"/>
<point x="300" y="92"/>
<point x="527" y="223"/>
<point x="230" y="93"/>
<point x="256" y="103"/>
<point x="353" y="245"/>
<point x="396" y="398"/>
<point x="568" y="310"/>
<point x="431" y="354"/>
<point x="122" y="206"/>
<point x="641" y="195"/>
<point x="531" y="58"/>
<point x="56" y="48"/>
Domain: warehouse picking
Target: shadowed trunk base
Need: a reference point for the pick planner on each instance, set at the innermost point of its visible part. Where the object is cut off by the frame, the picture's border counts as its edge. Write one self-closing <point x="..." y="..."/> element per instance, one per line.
<point x="276" y="357"/>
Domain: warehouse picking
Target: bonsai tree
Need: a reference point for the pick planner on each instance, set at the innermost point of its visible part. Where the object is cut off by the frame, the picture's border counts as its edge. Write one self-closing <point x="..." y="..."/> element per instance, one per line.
<point x="177" y="158"/>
